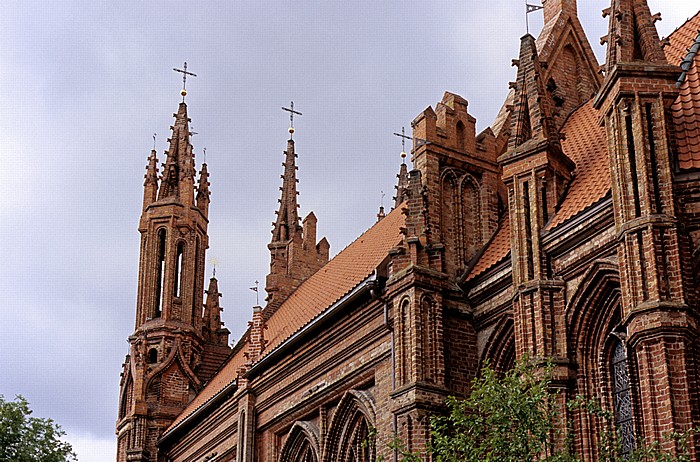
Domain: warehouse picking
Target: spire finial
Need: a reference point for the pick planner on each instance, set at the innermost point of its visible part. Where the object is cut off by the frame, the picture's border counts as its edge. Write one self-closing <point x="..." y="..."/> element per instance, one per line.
<point x="291" y="111"/>
<point x="257" y="292"/>
<point x="416" y="142"/>
<point x="204" y="151"/>
<point x="184" y="72"/>
<point x="214" y="261"/>
<point x="154" y="141"/>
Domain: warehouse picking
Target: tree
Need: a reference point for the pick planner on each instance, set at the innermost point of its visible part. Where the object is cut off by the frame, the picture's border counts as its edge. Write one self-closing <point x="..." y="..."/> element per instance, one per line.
<point x="30" y="439"/>
<point x="504" y="419"/>
<point x="514" y="418"/>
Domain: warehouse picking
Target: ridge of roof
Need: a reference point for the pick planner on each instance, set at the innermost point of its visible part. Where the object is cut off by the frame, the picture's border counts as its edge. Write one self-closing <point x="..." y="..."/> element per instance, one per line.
<point x="339" y="276"/>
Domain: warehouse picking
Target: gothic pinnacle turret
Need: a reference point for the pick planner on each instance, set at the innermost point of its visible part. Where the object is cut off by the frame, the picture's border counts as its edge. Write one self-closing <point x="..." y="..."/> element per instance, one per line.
<point x="150" y="184"/>
<point x="203" y="191"/>
<point x="287" y="223"/>
<point x="294" y="253"/>
<point x="632" y="35"/>
<point x="532" y="115"/>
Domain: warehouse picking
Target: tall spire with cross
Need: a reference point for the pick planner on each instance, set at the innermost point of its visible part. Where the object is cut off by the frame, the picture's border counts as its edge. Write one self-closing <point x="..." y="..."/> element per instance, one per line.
<point x="294" y="253"/>
<point x="178" y="172"/>
<point x="287" y="223"/>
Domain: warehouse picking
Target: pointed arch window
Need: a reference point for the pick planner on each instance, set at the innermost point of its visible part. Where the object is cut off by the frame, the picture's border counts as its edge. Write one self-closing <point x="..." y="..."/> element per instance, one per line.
<point x="622" y="398"/>
<point x="179" y="270"/>
<point x="160" y="274"/>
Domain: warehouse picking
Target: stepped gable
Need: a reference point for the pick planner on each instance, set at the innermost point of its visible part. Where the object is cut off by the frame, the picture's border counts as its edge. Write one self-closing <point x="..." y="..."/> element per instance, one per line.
<point x="338" y="277"/>
<point x="686" y="109"/>
<point x="585" y="144"/>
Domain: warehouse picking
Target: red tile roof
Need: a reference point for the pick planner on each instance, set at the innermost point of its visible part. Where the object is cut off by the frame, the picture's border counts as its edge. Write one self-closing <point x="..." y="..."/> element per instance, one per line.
<point x="338" y="277"/>
<point x="586" y="145"/>
<point x="686" y="109"/>
<point x="497" y="250"/>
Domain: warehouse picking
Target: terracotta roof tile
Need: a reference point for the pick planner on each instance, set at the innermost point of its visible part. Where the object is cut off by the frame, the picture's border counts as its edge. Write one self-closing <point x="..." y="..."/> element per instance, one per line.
<point x="329" y="284"/>
<point x="586" y="145"/>
<point x="686" y="109"/>
<point x="497" y="250"/>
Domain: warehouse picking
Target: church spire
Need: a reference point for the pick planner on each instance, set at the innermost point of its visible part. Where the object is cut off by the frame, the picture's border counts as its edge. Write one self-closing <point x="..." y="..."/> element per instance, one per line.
<point x="294" y="253"/>
<point x="287" y="223"/>
<point x="632" y="35"/>
<point x="178" y="170"/>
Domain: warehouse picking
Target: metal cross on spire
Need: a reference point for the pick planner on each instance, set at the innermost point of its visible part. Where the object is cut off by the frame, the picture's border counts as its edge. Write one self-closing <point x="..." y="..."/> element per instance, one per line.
<point x="416" y="141"/>
<point x="403" y="137"/>
<point x="154" y="141"/>
<point x="184" y="72"/>
<point x="291" y="111"/>
<point x="204" y="150"/>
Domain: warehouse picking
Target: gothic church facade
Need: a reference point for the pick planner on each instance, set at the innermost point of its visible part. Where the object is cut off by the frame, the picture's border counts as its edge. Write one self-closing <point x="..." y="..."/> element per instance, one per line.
<point x="567" y="230"/>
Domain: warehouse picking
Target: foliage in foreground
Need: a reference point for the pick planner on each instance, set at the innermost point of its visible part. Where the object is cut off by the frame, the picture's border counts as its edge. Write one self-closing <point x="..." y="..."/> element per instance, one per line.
<point x="513" y="418"/>
<point x="30" y="439"/>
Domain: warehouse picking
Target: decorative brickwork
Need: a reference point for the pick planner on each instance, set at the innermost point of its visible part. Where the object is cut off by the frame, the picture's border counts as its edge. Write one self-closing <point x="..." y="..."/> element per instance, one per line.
<point x="568" y="231"/>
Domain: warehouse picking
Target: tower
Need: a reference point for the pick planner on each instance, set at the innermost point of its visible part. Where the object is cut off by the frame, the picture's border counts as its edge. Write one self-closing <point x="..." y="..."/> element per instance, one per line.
<point x="178" y="344"/>
<point x="294" y="253"/>
<point x="657" y="326"/>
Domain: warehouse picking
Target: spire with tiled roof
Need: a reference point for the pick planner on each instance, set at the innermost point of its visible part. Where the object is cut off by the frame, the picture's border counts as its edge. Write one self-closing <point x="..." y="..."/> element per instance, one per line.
<point x="635" y="103"/>
<point x="294" y="253"/>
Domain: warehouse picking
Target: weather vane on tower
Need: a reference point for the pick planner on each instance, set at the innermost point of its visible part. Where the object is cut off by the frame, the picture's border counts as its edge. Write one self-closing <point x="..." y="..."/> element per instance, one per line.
<point x="184" y="72"/>
<point x="529" y="8"/>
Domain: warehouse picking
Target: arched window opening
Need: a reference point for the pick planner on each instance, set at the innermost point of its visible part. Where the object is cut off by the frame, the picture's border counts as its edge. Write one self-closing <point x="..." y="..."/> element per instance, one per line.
<point x="160" y="274"/>
<point x="179" y="270"/>
<point x="622" y="399"/>
<point x="359" y="447"/>
<point x="152" y="356"/>
<point x="405" y="363"/>
<point x="302" y="444"/>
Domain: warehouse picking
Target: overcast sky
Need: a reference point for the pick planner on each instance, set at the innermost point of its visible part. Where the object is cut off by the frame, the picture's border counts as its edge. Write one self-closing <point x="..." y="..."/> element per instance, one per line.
<point x="85" y="86"/>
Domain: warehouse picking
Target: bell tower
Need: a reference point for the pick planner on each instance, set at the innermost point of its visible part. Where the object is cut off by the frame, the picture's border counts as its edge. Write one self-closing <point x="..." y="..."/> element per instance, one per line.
<point x="178" y="343"/>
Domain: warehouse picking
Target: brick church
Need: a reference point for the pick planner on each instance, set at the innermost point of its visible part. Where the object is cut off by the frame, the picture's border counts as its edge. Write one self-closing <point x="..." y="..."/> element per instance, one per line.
<point x="569" y="229"/>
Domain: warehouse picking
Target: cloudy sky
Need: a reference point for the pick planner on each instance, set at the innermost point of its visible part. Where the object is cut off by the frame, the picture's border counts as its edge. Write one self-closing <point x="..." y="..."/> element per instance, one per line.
<point x="85" y="86"/>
